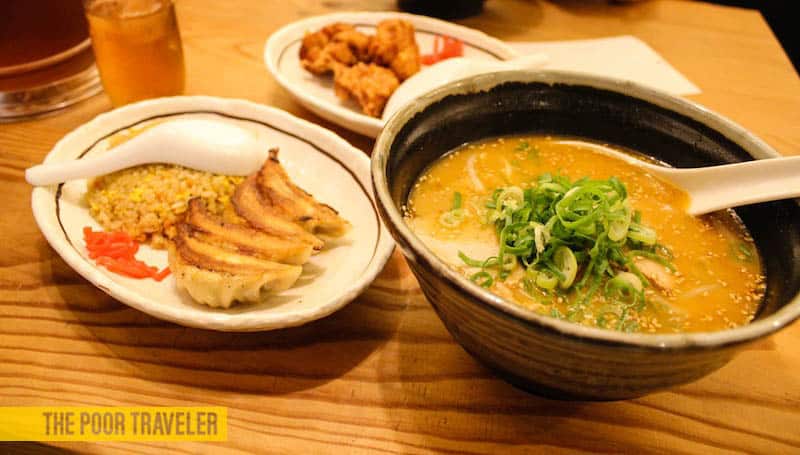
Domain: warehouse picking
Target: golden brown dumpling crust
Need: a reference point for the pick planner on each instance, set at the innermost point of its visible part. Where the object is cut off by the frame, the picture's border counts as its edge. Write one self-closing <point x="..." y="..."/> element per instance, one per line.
<point x="294" y="204"/>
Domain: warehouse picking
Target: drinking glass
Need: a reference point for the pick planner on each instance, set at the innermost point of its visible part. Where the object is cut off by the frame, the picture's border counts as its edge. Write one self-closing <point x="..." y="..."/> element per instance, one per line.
<point x="137" y="46"/>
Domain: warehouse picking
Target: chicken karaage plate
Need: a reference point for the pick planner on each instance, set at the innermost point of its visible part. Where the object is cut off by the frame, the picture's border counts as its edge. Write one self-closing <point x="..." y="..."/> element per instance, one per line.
<point x="367" y="68"/>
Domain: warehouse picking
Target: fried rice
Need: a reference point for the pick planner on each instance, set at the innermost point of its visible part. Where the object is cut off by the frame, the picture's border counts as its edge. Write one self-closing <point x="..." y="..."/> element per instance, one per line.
<point x="146" y="201"/>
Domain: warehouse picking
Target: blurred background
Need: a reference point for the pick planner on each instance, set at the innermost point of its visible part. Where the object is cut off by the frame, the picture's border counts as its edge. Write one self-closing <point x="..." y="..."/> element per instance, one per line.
<point x="777" y="13"/>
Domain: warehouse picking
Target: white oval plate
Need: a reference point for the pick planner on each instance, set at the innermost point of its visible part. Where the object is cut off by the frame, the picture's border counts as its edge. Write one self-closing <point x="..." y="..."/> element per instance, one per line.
<point x="281" y="55"/>
<point x="316" y="159"/>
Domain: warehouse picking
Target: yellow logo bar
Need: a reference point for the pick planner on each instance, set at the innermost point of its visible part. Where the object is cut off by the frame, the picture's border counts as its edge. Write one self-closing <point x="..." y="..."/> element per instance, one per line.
<point x="143" y="423"/>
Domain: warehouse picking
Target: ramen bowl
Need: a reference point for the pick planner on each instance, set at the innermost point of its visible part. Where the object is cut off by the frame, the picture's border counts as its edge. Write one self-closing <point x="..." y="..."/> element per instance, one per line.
<point x="554" y="357"/>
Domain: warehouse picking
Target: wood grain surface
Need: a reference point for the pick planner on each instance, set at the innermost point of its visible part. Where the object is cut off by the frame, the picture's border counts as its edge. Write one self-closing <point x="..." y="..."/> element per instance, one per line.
<point x="383" y="375"/>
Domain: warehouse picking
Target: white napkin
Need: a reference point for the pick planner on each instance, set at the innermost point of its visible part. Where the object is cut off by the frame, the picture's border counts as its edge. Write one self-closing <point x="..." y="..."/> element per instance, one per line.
<point x="622" y="57"/>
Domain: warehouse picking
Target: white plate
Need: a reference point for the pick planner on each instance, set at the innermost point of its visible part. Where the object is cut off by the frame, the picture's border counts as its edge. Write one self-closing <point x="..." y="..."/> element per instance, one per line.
<point x="316" y="93"/>
<point x="316" y="159"/>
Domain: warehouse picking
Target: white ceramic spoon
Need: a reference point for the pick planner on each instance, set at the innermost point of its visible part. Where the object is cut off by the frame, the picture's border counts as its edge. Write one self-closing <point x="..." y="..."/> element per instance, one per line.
<point x="205" y="145"/>
<point x="731" y="185"/>
<point x="450" y="70"/>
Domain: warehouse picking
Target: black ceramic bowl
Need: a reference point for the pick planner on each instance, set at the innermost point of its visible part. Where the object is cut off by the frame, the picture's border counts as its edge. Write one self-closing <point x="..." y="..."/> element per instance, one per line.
<point x="546" y="355"/>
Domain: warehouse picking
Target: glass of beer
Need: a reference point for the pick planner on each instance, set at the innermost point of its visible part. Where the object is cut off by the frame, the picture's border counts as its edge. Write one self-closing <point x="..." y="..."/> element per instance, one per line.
<point x="137" y="46"/>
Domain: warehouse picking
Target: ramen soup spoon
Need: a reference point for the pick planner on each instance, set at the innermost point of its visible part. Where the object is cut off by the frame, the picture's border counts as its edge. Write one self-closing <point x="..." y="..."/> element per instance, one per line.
<point x="205" y="145"/>
<point x="731" y="185"/>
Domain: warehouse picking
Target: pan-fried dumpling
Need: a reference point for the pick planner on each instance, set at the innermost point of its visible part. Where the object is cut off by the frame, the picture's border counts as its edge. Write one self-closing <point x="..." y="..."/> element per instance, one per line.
<point x="287" y="200"/>
<point x="242" y="238"/>
<point x="218" y="277"/>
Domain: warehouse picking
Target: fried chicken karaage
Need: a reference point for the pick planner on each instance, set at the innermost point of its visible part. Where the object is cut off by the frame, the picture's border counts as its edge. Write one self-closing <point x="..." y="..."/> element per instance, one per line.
<point x="366" y="68"/>
<point x="333" y="46"/>
<point x="395" y="46"/>
<point x="371" y="85"/>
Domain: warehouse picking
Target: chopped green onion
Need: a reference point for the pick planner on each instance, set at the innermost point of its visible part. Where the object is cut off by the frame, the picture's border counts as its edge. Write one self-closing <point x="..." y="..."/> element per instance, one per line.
<point x="626" y="279"/>
<point x="654" y="256"/>
<point x="742" y="251"/>
<point x="618" y="227"/>
<point x="455" y="216"/>
<point x="546" y="280"/>
<point x="578" y="236"/>
<point x="625" y="287"/>
<point x="642" y="234"/>
<point x="456" y="200"/>
<point x="508" y="262"/>
<point x="511" y="197"/>
<point x="476" y="263"/>
<point x="482" y="279"/>
<point x="575" y="315"/>
<point x="541" y="235"/>
<point x="452" y="218"/>
<point x="565" y="260"/>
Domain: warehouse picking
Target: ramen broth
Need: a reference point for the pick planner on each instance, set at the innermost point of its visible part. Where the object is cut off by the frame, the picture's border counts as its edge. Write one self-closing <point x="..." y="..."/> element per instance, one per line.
<point x="717" y="281"/>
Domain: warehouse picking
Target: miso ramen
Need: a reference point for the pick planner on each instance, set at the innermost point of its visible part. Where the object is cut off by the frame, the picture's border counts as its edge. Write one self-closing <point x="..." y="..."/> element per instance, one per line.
<point x="557" y="227"/>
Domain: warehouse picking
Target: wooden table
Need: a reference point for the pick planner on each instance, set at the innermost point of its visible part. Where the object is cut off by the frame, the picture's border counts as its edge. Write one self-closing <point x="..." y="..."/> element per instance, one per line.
<point x="383" y="375"/>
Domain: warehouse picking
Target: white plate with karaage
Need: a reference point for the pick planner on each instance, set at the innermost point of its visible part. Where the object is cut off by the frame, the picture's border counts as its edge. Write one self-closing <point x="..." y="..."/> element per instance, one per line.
<point x="282" y="57"/>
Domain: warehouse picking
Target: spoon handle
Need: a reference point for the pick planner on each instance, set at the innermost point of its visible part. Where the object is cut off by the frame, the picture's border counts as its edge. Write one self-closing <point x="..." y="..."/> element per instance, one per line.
<point x="732" y="185"/>
<point x="51" y="173"/>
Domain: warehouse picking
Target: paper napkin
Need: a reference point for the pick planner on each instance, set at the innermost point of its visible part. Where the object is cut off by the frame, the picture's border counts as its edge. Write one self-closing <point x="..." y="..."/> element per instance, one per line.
<point x="622" y="57"/>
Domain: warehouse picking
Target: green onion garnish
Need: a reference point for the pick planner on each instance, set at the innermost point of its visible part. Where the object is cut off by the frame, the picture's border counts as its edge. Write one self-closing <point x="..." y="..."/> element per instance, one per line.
<point x="741" y="251"/>
<point x="453" y="217"/>
<point x="483" y="279"/>
<point x="525" y="146"/>
<point x="456" y="200"/>
<point x="578" y="237"/>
